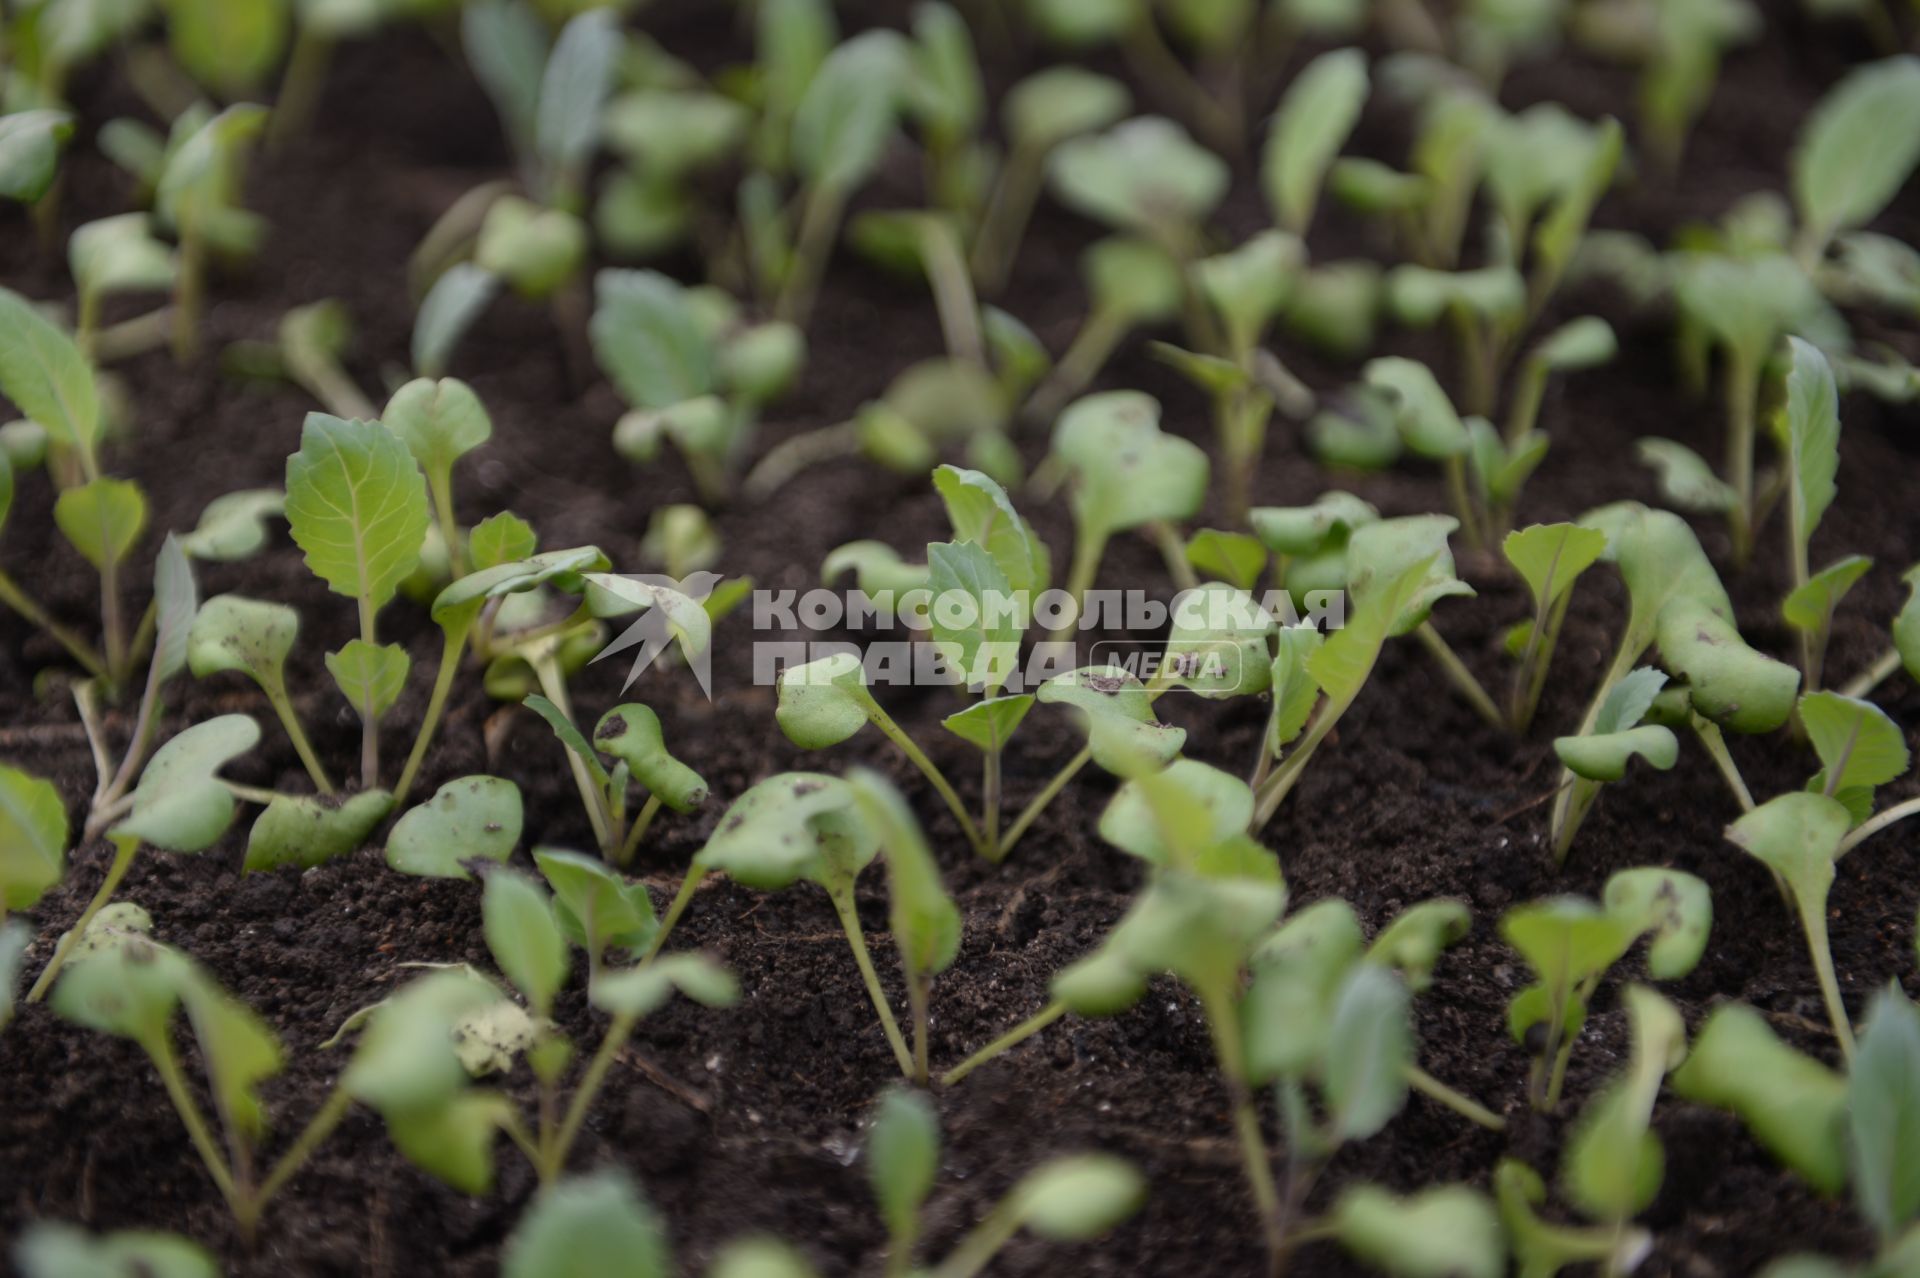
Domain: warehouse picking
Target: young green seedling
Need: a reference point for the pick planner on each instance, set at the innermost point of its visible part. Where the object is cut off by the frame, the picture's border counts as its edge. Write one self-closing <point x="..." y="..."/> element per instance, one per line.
<point x="357" y="505"/>
<point x="824" y="702"/>
<point x="198" y="198"/>
<point x="1144" y="176"/>
<point x="230" y="633"/>
<point x="629" y="734"/>
<point x="1131" y="282"/>
<point x="528" y="935"/>
<point x="1123" y="472"/>
<point x="1809" y="436"/>
<point x="1315" y="117"/>
<point x="1038" y="115"/>
<point x="1438" y="1232"/>
<point x="1309" y="543"/>
<point x="180" y="805"/>
<point x="468" y="819"/>
<point x="1570" y="942"/>
<point x="1848" y="165"/>
<point x="1550" y="559"/>
<point x="1074" y="1198"/>
<point x="1675" y="600"/>
<point x="1678" y="45"/>
<point x="110" y="257"/>
<point x="440" y="422"/>
<point x="31" y="140"/>
<point x="1620" y="732"/>
<point x="50" y="1250"/>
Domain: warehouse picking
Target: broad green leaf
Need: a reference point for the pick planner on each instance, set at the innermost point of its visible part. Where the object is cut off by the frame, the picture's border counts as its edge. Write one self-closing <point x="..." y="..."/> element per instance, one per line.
<point x="233" y="525"/>
<point x="942" y="86"/>
<point x="1797" y="835"/>
<point x="877" y="569"/>
<point x="533" y="248"/>
<point x="903" y="1156"/>
<point x="1342" y="664"/>
<point x="1426" y="417"/>
<point x="593" y="1226"/>
<point x="302" y="831"/>
<point x="990" y="722"/>
<point x="1235" y="558"/>
<point x="843" y="121"/>
<point x="1566" y="939"/>
<point x="981" y="512"/>
<point x="921" y="915"/>
<point x="448" y="310"/>
<point x="1586" y="342"/>
<point x="974" y="621"/>
<point x="672" y="132"/>
<point x="1746" y="303"/>
<point x="1368" y="1049"/>
<point x="1126" y="471"/>
<point x="573" y="88"/>
<point x="1448" y="1231"/>
<point x="46" y="376"/>
<point x="1851" y="159"/>
<point x="233" y="633"/>
<point x="1132" y="280"/>
<point x="1671" y="906"/>
<point x="1078" y="1198"/>
<point x="501" y="539"/>
<point x="823" y="702"/>
<point x="1248" y="286"/>
<point x="1810" y="607"/>
<point x="229" y="46"/>
<point x="33" y="838"/>
<point x="506" y="45"/>
<point x="469" y="818"/>
<point x="180" y="805"/>
<point x="1050" y="106"/>
<point x="102" y="518"/>
<point x="1210" y="805"/>
<point x="1412" y="943"/>
<point x="1419" y="296"/>
<point x="1883" y="1114"/>
<point x="369" y="676"/>
<point x="1143" y="174"/>
<point x="119" y="255"/>
<point x="1685" y="479"/>
<point x="239" y="1049"/>
<point x="792" y="825"/>
<point x="49" y="1249"/>
<point x="637" y="991"/>
<point x="569" y="735"/>
<point x="1298" y="972"/>
<point x="30" y="145"/>
<point x="1550" y="557"/>
<point x="1794" y="1105"/>
<point x="439" y="422"/>
<point x="565" y="570"/>
<point x="1117" y="714"/>
<point x="1810" y="431"/>
<point x="1316" y="115"/>
<point x="1305" y="530"/>
<point x="517" y="916"/>
<point x="1380" y="555"/>
<point x="1617" y="735"/>
<point x="1859" y="746"/>
<point x="631" y="734"/>
<point x="649" y="340"/>
<point x="595" y="907"/>
<point x="357" y="506"/>
<point x="1218" y="641"/>
<point x="121" y="981"/>
<point x="454" y="1139"/>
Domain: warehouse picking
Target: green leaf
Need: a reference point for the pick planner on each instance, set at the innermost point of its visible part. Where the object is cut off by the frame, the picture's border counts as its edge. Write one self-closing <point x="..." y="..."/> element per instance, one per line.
<point x="506" y="45"/>
<point x="1235" y="558"/>
<point x="533" y="248"/>
<point x="229" y="46"/>
<point x="233" y="525"/>
<point x="1217" y="641"/>
<point x="1116" y="712"/>
<point x="453" y="1140"/>
<point x="439" y="422"/>
<point x="567" y="570"/>
<point x="1796" y="835"/>
<point x="406" y="1060"/>
<point x="370" y="676"/>
<point x="631" y="734"/>
<point x="1306" y="530"/>
<point x="33" y="838"/>
<point x="1203" y="804"/>
<point x="579" y="72"/>
<point x="1248" y="286"/>
<point x="1412" y="943"/>
<point x="49" y="1249"/>
<point x="1419" y="296"/>
<point x="649" y="340"/>
<point x="974" y="622"/>
<point x="1551" y="557"/>
<point x="846" y="116"/>
<point x="1859" y="746"/>
<point x="1425" y="416"/>
<point x="1448" y="1231"/>
<point x="1614" y="1163"/>
<point x="119" y="255"/>
<point x="254" y="638"/>
<point x="302" y="831"/>
<point x="1342" y="664"/>
<point x="30" y="145"/>
<point x="877" y="569"/>
<point x="448" y="310"/>
<point x="1883" y="1114"/>
<point x="1810" y="607"/>
<point x="596" y="908"/>
<point x="1906" y="625"/>
<point x="501" y="539"/>
<point x="1078" y="1198"/>
<point x="1795" y="1106"/>
<point x="239" y="1048"/>
<point x="823" y="702"/>
<point x="469" y="818"/>
<point x="636" y="991"/>
<point x="180" y="805"/>
<point x="1298" y="972"/>
<point x="593" y="1226"/>
<point x="1602" y="754"/>
<point x="357" y="506"/>
<point x="791" y="826"/>
<point x="1316" y="115"/>
<point x="46" y="376"/>
<point x="922" y="916"/>
<point x="1810" y="427"/>
<point x="1566" y="940"/>
<point x="1746" y="303"/>
<point x="1144" y="174"/>
<point x="1850" y="163"/>
<point x="903" y="1156"/>
<point x="1368" y="1049"/>
<point x="1381" y="554"/>
<point x="981" y="513"/>
<point x="102" y="518"/>
<point x="523" y="937"/>
<point x="1671" y="906"/>
<point x="990" y="722"/>
<point x="1126" y="471"/>
<point x="1050" y="106"/>
<point x="569" y="735"/>
<point x="1131" y="279"/>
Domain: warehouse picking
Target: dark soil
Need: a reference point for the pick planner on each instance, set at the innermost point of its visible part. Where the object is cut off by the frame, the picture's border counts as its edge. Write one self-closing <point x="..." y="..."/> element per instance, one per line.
<point x="750" y="1120"/>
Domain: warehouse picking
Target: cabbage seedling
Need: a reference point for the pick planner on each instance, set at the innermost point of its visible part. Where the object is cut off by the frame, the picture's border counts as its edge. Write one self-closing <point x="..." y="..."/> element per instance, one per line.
<point x="1542" y="1248"/>
<point x="357" y="505"/>
<point x="440" y="422"/>
<point x="1131" y="282"/>
<point x="629" y="734"/>
<point x="109" y="257"/>
<point x="1550" y="559"/>
<point x="180" y="805"/>
<point x="1848" y="165"/>
<point x="1315" y="117"/>
<point x="1675" y="600"/>
<point x="1570" y="942"/>
<point x="1809" y="429"/>
<point x="198" y="197"/>
<point x="1074" y="1198"/>
<point x="232" y="633"/>
<point x="1678" y="46"/>
<point x="1144" y="176"/>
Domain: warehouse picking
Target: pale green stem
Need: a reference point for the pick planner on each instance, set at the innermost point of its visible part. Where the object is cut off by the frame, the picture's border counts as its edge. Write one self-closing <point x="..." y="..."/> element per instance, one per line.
<point x="917" y="1008"/>
<point x="1716" y="743"/>
<point x="1461" y="677"/>
<point x="953" y="297"/>
<point x="1006" y="1042"/>
<point x="189" y="287"/>
<point x="1089" y="548"/>
<point x="1082" y="362"/>
<point x="1223" y="1021"/>
<point x="894" y="733"/>
<point x="1867" y="829"/>
<point x="791" y="456"/>
<point x="300" y="87"/>
<point x="843" y="906"/>
<point x="321" y="1126"/>
<point x="124" y="849"/>
<point x="79" y="649"/>
<point x="1174" y="551"/>
<point x="562" y="1143"/>
<point x="1873" y="676"/>
<point x="1465" y="1106"/>
<point x="990" y="803"/>
<point x="1528" y="392"/>
<point x="997" y="242"/>
<point x="453" y="644"/>
<point x="112" y="622"/>
<point x="1742" y="392"/>
<point x="440" y="482"/>
<point x="689" y="884"/>
<point x="167" y="1063"/>
<point x="131" y="337"/>
<point x="819" y="223"/>
<point x="648" y="810"/>
<point x="1463" y="503"/>
<point x="1813" y="921"/>
<point x="555" y="689"/>
<point x="1031" y="813"/>
<point x="1530" y="680"/>
<point x="276" y="689"/>
<point x="979" y="1247"/>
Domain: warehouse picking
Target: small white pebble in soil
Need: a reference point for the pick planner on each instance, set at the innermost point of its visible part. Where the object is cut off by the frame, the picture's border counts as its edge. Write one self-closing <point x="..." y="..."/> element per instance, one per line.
<point x="713" y="1063"/>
